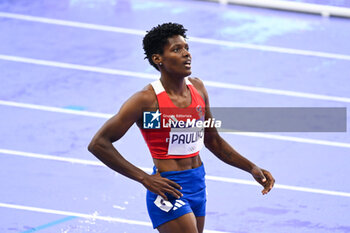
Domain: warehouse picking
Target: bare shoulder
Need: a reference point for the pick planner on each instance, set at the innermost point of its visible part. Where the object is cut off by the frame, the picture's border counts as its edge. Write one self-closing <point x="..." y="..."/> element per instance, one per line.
<point x="145" y="98"/>
<point x="199" y="85"/>
<point x="196" y="81"/>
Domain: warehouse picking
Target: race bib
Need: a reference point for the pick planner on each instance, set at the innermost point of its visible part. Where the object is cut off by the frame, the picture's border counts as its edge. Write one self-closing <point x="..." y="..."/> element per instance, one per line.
<point x="185" y="142"/>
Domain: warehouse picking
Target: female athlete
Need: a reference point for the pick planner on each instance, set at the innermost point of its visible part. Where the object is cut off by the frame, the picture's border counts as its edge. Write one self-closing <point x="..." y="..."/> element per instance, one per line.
<point x="176" y="196"/>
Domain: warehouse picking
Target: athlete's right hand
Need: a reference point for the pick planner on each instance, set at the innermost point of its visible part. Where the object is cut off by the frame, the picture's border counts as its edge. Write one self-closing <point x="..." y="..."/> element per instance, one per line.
<point x="160" y="185"/>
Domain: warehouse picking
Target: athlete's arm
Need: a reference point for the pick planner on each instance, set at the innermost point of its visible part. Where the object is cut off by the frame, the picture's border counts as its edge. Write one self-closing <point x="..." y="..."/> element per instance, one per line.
<point x="221" y="149"/>
<point x="101" y="145"/>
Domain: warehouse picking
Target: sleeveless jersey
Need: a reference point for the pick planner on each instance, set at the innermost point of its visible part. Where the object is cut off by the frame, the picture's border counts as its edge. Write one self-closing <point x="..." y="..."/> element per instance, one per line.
<point x="179" y="135"/>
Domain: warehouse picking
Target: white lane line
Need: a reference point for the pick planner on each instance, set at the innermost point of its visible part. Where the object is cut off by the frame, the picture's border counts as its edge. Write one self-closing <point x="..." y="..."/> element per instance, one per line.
<point x="292" y="139"/>
<point x="56" y="110"/>
<point x="75" y="214"/>
<point x="154" y="76"/>
<point x="78" y="67"/>
<point x="208" y="177"/>
<point x="304" y="7"/>
<point x="194" y="39"/>
<point x="107" y="116"/>
<point x="276" y="91"/>
<point x="87" y="216"/>
<point x="272" y="48"/>
<point x="280" y="186"/>
<point x="75" y="24"/>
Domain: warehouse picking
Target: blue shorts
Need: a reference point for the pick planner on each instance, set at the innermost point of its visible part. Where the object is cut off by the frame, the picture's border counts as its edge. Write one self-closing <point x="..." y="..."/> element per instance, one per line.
<point x="193" y="200"/>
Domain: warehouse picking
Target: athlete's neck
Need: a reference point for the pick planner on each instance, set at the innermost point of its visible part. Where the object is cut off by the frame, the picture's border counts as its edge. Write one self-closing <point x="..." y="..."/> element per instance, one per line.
<point x="175" y="86"/>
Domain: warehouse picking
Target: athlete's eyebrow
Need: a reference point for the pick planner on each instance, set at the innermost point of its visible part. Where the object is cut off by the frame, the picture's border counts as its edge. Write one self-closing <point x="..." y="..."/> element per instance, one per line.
<point x="179" y="44"/>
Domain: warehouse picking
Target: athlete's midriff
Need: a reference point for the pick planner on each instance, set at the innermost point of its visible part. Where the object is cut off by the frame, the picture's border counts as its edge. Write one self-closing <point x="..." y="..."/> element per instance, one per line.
<point x="165" y="165"/>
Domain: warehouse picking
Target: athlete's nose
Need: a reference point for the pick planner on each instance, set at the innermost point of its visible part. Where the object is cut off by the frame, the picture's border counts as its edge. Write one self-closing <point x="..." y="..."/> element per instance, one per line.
<point x="186" y="53"/>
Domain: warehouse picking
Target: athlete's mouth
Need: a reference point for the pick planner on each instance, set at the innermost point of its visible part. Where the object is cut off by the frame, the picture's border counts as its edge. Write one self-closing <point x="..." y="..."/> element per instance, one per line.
<point x="187" y="64"/>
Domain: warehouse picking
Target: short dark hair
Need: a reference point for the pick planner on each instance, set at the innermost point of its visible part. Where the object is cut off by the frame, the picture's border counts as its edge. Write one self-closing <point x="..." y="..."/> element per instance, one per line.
<point x="155" y="39"/>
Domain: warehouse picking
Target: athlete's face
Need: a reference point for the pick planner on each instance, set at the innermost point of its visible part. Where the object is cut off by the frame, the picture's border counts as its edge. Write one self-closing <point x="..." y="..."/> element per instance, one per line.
<point x="176" y="58"/>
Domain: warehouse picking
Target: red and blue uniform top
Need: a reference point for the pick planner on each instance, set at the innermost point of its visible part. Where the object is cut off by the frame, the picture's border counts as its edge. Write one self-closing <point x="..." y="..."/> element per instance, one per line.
<point x="179" y="132"/>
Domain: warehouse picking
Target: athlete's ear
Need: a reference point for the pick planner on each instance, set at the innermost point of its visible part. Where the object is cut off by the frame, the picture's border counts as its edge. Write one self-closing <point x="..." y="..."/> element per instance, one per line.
<point x="157" y="59"/>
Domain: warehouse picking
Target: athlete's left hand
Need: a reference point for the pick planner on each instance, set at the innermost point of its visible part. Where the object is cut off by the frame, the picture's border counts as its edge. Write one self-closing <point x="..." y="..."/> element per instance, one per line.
<point x="264" y="178"/>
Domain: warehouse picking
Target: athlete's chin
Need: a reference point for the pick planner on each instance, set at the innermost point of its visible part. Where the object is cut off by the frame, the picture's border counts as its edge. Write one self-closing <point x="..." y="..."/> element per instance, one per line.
<point x="188" y="72"/>
<point x="183" y="73"/>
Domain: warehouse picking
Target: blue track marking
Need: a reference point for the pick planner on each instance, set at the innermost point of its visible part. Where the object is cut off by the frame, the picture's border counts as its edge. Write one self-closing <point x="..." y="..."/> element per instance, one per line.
<point x="74" y="107"/>
<point x="50" y="224"/>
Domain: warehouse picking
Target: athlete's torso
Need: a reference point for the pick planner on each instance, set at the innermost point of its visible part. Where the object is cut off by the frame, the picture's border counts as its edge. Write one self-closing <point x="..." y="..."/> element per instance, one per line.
<point x="173" y="149"/>
<point x="164" y="165"/>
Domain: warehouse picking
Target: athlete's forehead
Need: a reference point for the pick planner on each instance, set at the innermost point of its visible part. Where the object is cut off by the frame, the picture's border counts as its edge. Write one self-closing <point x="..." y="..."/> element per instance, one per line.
<point x="176" y="40"/>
